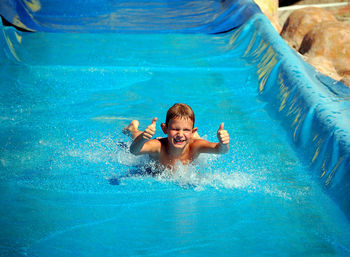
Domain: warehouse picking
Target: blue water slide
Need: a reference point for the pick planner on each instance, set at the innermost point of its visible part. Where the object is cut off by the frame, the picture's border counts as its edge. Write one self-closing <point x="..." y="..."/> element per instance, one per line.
<point x="313" y="108"/>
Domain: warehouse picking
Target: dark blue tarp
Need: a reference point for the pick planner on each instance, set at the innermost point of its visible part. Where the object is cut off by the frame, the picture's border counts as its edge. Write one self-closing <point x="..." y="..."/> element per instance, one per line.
<point x="128" y="16"/>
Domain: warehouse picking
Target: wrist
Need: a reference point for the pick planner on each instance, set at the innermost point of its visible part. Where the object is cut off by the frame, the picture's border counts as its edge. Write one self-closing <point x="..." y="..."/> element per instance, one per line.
<point x="223" y="147"/>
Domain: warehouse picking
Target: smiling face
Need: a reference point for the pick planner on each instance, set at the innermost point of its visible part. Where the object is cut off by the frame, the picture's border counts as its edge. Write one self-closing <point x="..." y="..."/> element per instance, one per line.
<point x="180" y="132"/>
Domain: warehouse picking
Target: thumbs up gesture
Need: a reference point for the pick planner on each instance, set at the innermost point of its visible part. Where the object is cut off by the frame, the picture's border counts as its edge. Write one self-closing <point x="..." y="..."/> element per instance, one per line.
<point x="223" y="136"/>
<point x="150" y="130"/>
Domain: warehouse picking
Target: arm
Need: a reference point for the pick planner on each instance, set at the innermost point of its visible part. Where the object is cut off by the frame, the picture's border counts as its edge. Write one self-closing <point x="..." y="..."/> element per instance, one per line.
<point x="203" y="146"/>
<point x="142" y="143"/>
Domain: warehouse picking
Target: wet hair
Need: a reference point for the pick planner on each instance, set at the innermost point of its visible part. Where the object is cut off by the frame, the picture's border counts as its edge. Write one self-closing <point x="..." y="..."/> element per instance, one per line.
<point x="179" y="110"/>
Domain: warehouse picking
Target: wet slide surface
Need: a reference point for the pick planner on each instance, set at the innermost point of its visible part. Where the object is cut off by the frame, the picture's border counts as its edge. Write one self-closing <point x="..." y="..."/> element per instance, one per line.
<point x="70" y="187"/>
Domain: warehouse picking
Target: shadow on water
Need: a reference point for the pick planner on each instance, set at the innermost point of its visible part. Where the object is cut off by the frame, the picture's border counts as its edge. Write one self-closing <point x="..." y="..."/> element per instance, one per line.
<point x="133" y="173"/>
<point x="140" y="170"/>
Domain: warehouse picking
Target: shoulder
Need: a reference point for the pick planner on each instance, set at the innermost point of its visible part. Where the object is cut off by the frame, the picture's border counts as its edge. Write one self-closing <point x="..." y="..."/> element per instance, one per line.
<point x="155" y="142"/>
<point x="203" y="146"/>
<point x="153" y="146"/>
<point x="199" y="143"/>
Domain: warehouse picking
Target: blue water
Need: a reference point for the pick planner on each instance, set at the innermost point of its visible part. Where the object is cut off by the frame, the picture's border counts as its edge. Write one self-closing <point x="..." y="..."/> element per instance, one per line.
<point x="69" y="186"/>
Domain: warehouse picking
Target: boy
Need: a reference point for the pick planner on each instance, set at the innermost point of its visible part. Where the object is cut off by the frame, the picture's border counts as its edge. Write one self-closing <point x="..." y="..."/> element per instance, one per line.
<point x="182" y="144"/>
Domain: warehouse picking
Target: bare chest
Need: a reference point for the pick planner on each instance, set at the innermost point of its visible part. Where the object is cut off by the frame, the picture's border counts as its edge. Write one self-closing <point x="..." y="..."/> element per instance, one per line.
<point x="168" y="160"/>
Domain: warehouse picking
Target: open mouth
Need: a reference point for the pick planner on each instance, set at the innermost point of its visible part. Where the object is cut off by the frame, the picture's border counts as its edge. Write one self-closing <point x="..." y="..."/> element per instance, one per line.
<point x="179" y="141"/>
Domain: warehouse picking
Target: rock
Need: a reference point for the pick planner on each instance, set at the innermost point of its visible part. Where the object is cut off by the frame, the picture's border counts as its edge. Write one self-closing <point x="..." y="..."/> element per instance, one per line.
<point x="274" y="21"/>
<point x="300" y="21"/>
<point x="327" y="46"/>
<point x="324" y="66"/>
<point x="270" y="9"/>
<point x="346" y="80"/>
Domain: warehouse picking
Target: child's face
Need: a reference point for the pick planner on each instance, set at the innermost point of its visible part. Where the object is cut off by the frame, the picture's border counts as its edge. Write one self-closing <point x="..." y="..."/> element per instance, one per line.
<point x="180" y="132"/>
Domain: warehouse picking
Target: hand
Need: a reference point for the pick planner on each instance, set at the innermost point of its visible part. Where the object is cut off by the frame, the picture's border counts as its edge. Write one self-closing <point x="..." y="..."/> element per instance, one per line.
<point x="150" y="130"/>
<point x="223" y="136"/>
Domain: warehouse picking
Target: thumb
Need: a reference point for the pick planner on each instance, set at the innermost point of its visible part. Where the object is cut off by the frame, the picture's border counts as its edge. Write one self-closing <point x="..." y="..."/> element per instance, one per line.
<point x="221" y="126"/>
<point x="154" y="121"/>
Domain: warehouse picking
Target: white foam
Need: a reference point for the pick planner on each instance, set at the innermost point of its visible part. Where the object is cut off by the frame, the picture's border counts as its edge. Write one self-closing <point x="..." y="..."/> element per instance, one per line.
<point x="207" y="171"/>
<point x="202" y="174"/>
